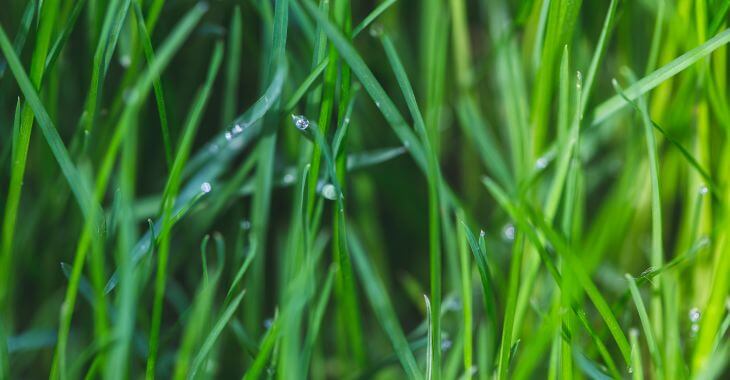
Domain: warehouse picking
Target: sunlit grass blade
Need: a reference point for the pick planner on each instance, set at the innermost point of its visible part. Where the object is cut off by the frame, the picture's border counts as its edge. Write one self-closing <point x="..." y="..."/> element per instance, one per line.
<point x="572" y="263"/>
<point x="611" y="106"/>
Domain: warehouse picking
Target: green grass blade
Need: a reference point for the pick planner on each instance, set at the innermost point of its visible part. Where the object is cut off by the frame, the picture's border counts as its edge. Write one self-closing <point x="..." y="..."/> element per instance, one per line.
<point x="214" y="334"/>
<point x="156" y="85"/>
<point x="433" y="177"/>
<point x="379" y="300"/>
<point x="171" y="191"/>
<point x="646" y="326"/>
<point x="233" y="63"/>
<point x="611" y="106"/>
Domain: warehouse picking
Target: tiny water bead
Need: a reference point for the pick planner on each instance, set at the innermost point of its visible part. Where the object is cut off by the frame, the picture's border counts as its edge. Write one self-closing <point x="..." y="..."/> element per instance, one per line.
<point x="694" y="315"/>
<point x="329" y="191"/>
<point x="445" y="344"/>
<point x="541" y="163"/>
<point x="229" y="136"/>
<point x="509" y="232"/>
<point x="301" y="122"/>
<point x="703" y="190"/>
<point x="245" y="225"/>
<point x="205" y="187"/>
<point x="482" y="233"/>
<point x="288" y="178"/>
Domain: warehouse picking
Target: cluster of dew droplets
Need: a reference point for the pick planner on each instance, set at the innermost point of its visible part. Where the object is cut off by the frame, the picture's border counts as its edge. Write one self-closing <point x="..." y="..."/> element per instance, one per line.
<point x="694" y="318"/>
<point x="236" y="130"/>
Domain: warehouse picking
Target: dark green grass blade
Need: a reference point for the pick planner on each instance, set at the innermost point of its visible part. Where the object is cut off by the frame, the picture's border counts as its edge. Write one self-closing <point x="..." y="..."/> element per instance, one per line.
<point x="170" y="194"/>
<point x="19" y="42"/>
<point x="156" y="85"/>
<point x="372" y="16"/>
<point x="46" y="124"/>
<point x="233" y="67"/>
<point x="433" y="177"/>
<point x="214" y="334"/>
<point x="64" y="35"/>
<point x="383" y="308"/>
<point x="480" y="256"/>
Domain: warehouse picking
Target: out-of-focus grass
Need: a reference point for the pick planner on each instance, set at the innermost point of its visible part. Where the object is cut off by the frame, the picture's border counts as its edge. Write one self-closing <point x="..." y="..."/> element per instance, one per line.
<point x="285" y="218"/>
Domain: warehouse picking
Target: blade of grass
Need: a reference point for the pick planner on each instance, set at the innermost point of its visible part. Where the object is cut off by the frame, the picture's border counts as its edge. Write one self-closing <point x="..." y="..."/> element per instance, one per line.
<point x="156" y="85"/>
<point x="170" y="193"/>
<point x="466" y="296"/>
<point x="48" y="12"/>
<point x="213" y="335"/>
<point x="434" y="178"/>
<point x="383" y="308"/>
<point x="646" y="326"/>
<point x="611" y="106"/>
<point x="233" y="63"/>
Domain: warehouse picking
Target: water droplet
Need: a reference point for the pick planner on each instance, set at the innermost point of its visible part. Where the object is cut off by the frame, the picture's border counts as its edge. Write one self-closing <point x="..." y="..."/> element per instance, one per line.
<point x="509" y="232"/>
<point x="346" y="121"/>
<point x="205" y="187"/>
<point x="329" y="191"/>
<point x="482" y="233"/>
<point x="541" y="163"/>
<point x="694" y="315"/>
<point x="301" y="122"/>
<point x="237" y="129"/>
<point x="245" y="225"/>
<point x="125" y="60"/>
<point x="377" y="104"/>
<point x="703" y="190"/>
<point x="695" y="327"/>
<point x="445" y="344"/>
<point x="376" y="30"/>
<point x="229" y="136"/>
<point x="703" y="242"/>
<point x="579" y="80"/>
<point x="213" y="148"/>
<point x="631" y="370"/>
<point x="268" y="323"/>
<point x="288" y="178"/>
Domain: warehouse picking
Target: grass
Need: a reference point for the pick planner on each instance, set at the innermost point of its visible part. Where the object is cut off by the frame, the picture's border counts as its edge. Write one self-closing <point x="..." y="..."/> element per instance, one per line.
<point x="300" y="196"/>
